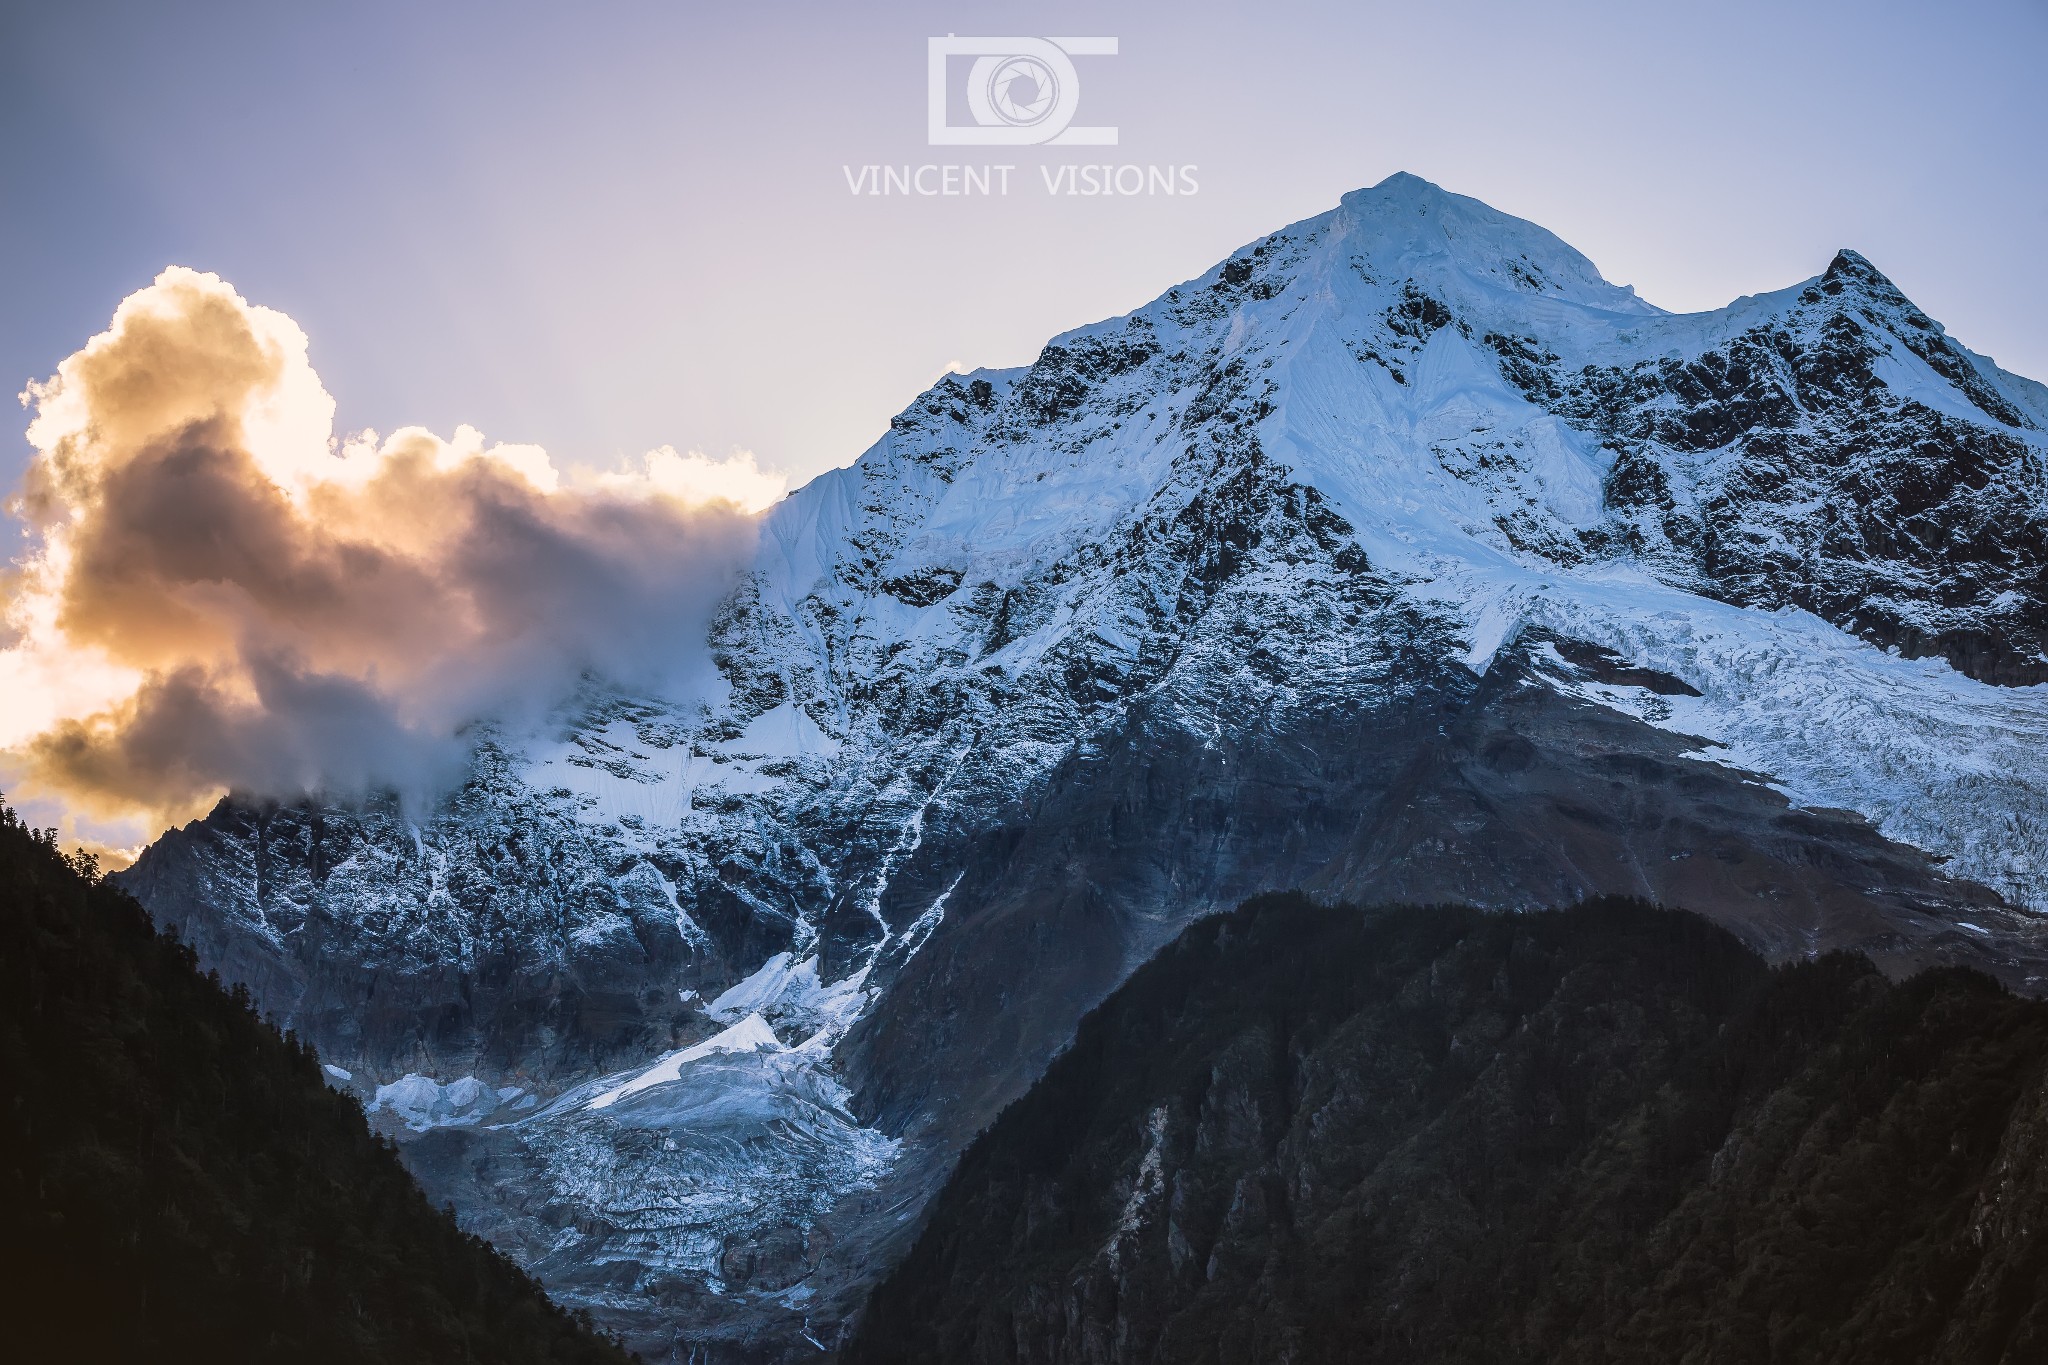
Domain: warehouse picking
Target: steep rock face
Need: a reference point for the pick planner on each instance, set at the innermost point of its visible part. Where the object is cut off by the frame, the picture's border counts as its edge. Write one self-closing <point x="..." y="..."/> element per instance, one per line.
<point x="1606" y="1133"/>
<point x="1400" y="555"/>
<point x="502" y="933"/>
<point x="1505" y="792"/>
<point x="1808" y="460"/>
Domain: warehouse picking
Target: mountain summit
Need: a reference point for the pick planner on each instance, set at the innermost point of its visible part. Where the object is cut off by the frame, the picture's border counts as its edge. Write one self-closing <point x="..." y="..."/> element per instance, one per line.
<point x="1423" y="232"/>
<point x="1397" y="557"/>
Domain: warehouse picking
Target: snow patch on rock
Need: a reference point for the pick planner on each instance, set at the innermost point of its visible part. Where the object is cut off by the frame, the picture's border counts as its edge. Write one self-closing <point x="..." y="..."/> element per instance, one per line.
<point x="422" y="1103"/>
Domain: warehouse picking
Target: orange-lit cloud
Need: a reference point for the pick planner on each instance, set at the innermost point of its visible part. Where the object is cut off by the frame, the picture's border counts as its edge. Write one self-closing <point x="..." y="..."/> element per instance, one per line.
<point x="215" y="594"/>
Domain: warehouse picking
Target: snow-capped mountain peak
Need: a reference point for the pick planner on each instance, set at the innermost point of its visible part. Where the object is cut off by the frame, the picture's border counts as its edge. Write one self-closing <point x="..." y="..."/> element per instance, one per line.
<point x="1398" y="556"/>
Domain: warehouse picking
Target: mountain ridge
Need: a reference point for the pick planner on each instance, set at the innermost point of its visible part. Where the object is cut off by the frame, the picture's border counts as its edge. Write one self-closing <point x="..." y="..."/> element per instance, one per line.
<point x="1604" y="1132"/>
<point x="182" y="1184"/>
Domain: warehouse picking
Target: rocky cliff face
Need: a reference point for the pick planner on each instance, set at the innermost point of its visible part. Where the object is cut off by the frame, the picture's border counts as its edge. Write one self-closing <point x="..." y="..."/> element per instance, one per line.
<point x="1400" y="555"/>
<point x="1806" y="460"/>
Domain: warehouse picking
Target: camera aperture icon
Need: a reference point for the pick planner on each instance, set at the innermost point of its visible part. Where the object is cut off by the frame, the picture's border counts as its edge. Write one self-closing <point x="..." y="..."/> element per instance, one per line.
<point x="1023" y="91"/>
<point x="1019" y="91"/>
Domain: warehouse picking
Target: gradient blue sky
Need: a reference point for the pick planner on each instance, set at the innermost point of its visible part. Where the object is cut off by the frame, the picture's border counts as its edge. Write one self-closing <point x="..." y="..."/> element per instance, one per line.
<point x="605" y="227"/>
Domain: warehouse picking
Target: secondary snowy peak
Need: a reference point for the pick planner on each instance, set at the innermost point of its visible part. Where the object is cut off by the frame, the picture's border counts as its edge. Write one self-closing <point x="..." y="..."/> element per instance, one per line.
<point x="2008" y="399"/>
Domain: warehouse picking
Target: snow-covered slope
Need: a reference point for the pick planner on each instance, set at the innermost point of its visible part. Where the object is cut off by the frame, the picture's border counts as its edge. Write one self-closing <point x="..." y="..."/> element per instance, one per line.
<point x="1400" y="554"/>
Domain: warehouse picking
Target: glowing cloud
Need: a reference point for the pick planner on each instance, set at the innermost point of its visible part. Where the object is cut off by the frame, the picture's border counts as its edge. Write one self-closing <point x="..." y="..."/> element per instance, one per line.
<point x="216" y="594"/>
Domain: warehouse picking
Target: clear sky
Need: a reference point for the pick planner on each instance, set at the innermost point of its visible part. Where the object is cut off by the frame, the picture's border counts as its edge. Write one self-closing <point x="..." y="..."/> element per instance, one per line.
<point x="607" y="227"/>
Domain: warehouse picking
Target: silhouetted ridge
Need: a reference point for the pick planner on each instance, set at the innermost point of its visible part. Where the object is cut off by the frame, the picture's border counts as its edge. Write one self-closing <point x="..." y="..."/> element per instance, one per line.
<point x="176" y="1183"/>
<point x="1610" y="1133"/>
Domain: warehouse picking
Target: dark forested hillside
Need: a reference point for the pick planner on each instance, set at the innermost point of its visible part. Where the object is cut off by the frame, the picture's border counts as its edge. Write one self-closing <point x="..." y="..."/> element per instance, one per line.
<point x="177" y="1184"/>
<point x="1603" y="1134"/>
